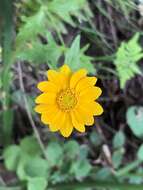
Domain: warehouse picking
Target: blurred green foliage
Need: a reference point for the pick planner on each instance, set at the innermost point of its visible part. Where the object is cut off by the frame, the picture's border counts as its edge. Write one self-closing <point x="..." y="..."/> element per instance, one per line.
<point x="135" y="120"/>
<point x="64" y="162"/>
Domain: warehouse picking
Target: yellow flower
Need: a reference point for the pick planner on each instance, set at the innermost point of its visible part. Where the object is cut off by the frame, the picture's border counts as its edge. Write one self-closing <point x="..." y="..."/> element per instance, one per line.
<point x="68" y="100"/>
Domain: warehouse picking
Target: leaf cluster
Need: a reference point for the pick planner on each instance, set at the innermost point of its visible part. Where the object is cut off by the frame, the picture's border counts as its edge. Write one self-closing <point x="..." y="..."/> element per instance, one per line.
<point x="64" y="162"/>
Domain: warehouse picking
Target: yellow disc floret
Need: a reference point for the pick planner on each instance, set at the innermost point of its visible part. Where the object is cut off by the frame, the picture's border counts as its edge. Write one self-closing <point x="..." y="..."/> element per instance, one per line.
<point x="66" y="100"/>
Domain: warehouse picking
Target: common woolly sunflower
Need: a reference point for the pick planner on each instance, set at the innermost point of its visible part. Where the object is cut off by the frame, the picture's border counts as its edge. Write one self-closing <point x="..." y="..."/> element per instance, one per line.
<point x="68" y="100"/>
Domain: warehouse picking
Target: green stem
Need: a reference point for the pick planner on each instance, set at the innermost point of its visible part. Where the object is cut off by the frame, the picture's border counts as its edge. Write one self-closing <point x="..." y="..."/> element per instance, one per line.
<point x="107" y="69"/>
<point x="6" y="11"/>
<point x="95" y="184"/>
<point x="128" y="168"/>
<point x="106" y="58"/>
<point x="10" y="188"/>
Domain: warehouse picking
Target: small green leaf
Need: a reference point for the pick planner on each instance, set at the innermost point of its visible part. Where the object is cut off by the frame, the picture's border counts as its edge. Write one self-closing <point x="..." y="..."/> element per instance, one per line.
<point x="81" y="168"/>
<point x="30" y="146"/>
<point x="103" y="173"/>
<point x="127" y="56"/>
<point x="86" y="61"/>
<point x="31" y="168"/>
<point x="119" y="139"/>
<point x="11" y="157"/>
<point x="117" y="157"/>
<point x="76" y="58"/>
<point x="31" y="27"/>
<point x="36" y="167"/>
<point x="37" y="183"/>
<point x="96" y="139"/>
<point x="71" y="149"/>
<point x="72" y="55"/>
<point x="83" y="152"/>
<point x="54" y="153"/>
<point x="134" y="117"/>
<point x="140" y="153"/>
<point x="20" y="171"/>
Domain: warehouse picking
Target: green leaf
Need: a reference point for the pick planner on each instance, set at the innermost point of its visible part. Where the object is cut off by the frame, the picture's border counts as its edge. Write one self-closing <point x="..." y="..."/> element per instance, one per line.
<point x="31" y="27"/>
<point x="86" y="61"/>
<point x="11" y="157"/>
<point x="31" y="168"/>
<point x="37" y="183"/>
<point x="119" y="139"/>
<point x="81" y="168"/>
<point x="134" y="117"/>
<point x="140" y="153"/>
<point x="71" y="149"/>
<point x="37" y="53"/>
<point x="103" y="173"/>
<point x="127" y="56"/>
<point x="50" y="15"/>
<point x="96" y="139"/>
<point x="60" y="11"/>
<point x="54" y="153"/>
<point x="30" y="146"/>
<point x="117" y="157"/>
<point x="36" y="167"/>
<point x="72" y="55"/>
<point x="20" y="171"/>
<point x="76" y="58"/>
<point x="136" y="177"/>
<point x="83" y="152"/>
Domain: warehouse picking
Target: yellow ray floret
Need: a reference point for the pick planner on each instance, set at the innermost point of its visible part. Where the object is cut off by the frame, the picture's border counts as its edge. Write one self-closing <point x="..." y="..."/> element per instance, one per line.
<point x="68" y="100"/>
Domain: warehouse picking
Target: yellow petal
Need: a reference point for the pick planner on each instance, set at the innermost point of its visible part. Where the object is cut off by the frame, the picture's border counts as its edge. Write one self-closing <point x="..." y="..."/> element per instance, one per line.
<point x="65" y="70"/>
<point x="57" y="121"/>
<point x="55" y="77"/>
<point x="83" y="117"/>
<point x="85" y="83"/>
<point x="78" y="126"/>
<point x="61" y="80"/>
<point x="92" y="108"/>
<point x="52" y="75"/>
<point x="46" y="86"/>
<point x="76" y="77"/>
<point x="66" y="74"/>
<point x="41" y="108"/>
<point x="98" y="108"/>
<point x="48" y="116"/>
<point x="46" y="98"/>
<point x="91" y="93"/>
<point x="67" y="127"/>
<point x="89" y="121"/>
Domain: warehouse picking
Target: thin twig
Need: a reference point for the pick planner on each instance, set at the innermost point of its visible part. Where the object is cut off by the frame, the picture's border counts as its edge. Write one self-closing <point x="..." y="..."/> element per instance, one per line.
<point x="28" y="111"/>
<point x="2" y="182"/>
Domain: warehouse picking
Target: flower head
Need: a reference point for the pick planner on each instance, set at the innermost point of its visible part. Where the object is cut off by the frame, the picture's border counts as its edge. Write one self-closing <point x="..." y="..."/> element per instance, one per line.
<point x="68" y="100"/>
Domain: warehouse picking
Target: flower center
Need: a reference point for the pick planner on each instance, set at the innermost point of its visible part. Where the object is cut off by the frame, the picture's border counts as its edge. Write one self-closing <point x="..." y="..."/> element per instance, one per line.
<point x="66" y="100"/>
